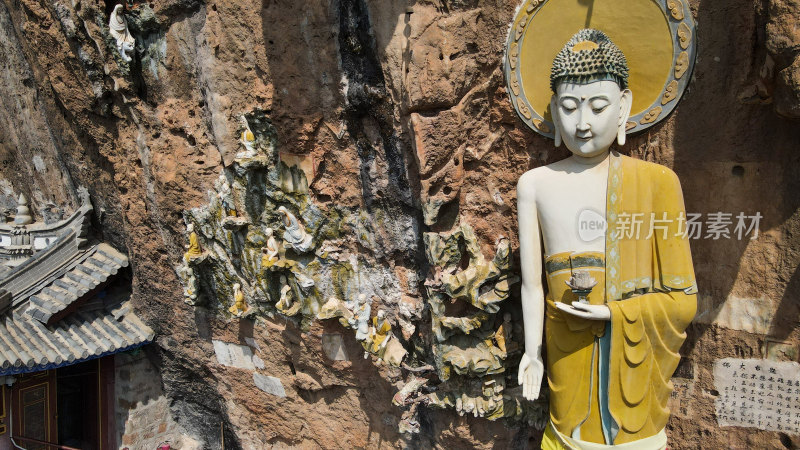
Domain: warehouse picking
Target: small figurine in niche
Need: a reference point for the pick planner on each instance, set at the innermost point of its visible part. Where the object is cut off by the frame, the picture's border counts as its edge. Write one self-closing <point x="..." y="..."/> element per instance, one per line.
<point x="194" y="250"/>
<point x="239" y="304"/>
<point x="247" y="139"/>
<point x="382" y="343"/>
<point x="287" y="304"/>
<point x="224" y="195"/>
<point x="190" y="285"/>
<point x="295" y="234"/>
<point x="118" y="28"/>
<point x="360" y="319"/>
<point x="379" y="334"/>
<point x="271" y="250"/>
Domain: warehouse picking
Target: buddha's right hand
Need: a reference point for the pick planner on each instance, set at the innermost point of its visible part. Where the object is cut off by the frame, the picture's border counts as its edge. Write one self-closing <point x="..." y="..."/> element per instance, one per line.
<point x="531" y="370"/>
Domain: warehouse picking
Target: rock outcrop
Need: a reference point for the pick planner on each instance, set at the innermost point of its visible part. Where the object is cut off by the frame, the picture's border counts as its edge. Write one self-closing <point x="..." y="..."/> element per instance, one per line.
<point x="329" y="152"/>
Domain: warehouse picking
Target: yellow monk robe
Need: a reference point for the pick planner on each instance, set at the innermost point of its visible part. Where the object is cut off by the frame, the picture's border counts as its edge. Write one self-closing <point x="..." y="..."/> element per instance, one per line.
<point x="648" y="282"/>
<point x="378" y="335"/>
<point x="194" y="247"/>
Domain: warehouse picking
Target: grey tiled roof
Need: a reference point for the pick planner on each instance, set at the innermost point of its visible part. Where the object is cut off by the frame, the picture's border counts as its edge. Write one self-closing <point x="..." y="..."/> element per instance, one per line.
<point x="28" y="345"/>
<point x="59" y="306"/>
<point x="28" y="277"/>
<point x="86" y="271"/>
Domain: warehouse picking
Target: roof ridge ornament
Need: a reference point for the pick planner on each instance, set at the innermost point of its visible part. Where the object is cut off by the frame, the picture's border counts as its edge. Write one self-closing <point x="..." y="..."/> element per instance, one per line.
<point x="23" y="216"/>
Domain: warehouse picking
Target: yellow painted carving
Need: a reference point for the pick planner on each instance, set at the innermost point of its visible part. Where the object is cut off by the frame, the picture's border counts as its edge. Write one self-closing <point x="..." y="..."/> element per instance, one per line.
<point x="676" y="9"/>
<point x="513" y="55"/>
<point x="651" y="115"/>
<point x="515" y="84"/>
<point x="194" y="246"/>
<point x="523" y="108"/>
<point x="681" y="65"/>
<point x="684" y="35"/>
<point x="532" y="5"/>
<point x="542" y="126"/>
<point x="239" y="304"/>
<point x="629" y="125"/>
<point x="670" y="92"/>
<point x="521" y="27"/>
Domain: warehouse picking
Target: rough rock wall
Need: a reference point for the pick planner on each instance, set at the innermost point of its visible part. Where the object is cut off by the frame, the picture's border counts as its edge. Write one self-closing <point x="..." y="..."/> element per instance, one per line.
<point x="399" y="114"/>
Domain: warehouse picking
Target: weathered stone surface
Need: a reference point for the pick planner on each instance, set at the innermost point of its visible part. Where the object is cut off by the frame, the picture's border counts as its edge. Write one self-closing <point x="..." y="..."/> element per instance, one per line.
<point x="234" y="355"/>
<point x="333" y="346"/>
<point x="397" y="116"/>
<point x="268" y="384"/>
<point x="787" y="91"/>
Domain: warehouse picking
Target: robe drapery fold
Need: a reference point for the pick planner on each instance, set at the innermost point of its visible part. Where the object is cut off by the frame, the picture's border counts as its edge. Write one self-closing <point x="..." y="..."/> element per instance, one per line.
<point x="646" y="278"/>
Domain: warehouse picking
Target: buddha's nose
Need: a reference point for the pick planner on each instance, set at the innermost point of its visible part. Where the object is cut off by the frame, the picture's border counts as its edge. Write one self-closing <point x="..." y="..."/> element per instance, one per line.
<point x="583" y="126"/>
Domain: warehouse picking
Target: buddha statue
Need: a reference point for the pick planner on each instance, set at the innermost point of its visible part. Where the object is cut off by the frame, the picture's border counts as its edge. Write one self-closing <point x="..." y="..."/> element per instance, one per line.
<point x="118" y="28"/>
<point x="610" y="357"/>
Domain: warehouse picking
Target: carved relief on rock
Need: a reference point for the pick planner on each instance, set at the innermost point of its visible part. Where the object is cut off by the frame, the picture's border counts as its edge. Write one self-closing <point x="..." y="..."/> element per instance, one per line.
<point x="472" y="344"/>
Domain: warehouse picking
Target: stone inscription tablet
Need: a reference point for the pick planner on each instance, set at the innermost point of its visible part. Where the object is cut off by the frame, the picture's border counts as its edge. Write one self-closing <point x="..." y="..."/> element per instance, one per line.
<point x="758" y="393"/>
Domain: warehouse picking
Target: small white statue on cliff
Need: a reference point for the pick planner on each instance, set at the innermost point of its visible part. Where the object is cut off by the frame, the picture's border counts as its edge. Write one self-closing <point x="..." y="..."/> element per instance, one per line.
<point x="360" y="319"/>
<point x="288" y="304"/>
<point x="295" y="234"/>
<point x="379" y="334"/>
<point x="248" y="140"/>
<point x="271" y="250"/>
<point x="194" y="250"/>
<point x="225" y="196"/>
<point x="118" y="28"/>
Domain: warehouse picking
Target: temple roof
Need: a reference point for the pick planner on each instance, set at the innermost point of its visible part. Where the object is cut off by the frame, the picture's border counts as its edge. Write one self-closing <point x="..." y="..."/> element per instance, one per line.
<point x="28" y="345"/>
<point x="60" y="302"/>
<point x="80" y="275"/>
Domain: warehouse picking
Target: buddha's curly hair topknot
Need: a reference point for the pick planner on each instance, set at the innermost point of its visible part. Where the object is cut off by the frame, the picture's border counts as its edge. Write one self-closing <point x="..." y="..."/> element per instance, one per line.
<point x="589" y="56"/>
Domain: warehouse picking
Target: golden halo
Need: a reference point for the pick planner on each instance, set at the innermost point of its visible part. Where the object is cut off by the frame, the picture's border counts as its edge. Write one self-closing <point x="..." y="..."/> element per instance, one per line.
<point x="656" y="36"/>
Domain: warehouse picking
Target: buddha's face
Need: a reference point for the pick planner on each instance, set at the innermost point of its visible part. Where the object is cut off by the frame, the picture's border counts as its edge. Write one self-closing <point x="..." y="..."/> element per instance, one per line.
<point x="590" y="116"/>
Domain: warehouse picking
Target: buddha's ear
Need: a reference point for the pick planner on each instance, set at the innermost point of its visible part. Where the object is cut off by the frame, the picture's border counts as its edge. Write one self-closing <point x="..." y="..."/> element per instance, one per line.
<point x="625" y="101"/>
<point x="554" y="115"/>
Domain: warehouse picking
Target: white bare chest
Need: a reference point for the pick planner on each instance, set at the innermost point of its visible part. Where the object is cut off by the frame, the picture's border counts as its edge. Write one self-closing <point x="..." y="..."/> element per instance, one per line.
<point x="571" y="205"/>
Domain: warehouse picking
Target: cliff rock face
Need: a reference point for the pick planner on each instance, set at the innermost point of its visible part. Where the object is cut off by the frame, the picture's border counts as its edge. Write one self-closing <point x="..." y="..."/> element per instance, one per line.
<point x="384" y="132"/>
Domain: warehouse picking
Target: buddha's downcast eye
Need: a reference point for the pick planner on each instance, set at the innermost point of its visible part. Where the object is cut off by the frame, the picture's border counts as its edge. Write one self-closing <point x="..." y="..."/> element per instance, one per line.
<point x="569" y="104"/>
<point x="599" y="104"/>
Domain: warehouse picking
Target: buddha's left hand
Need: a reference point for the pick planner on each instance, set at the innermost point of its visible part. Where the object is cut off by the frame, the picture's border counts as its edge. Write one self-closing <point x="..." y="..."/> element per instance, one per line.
<point x="585" y="311"/>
